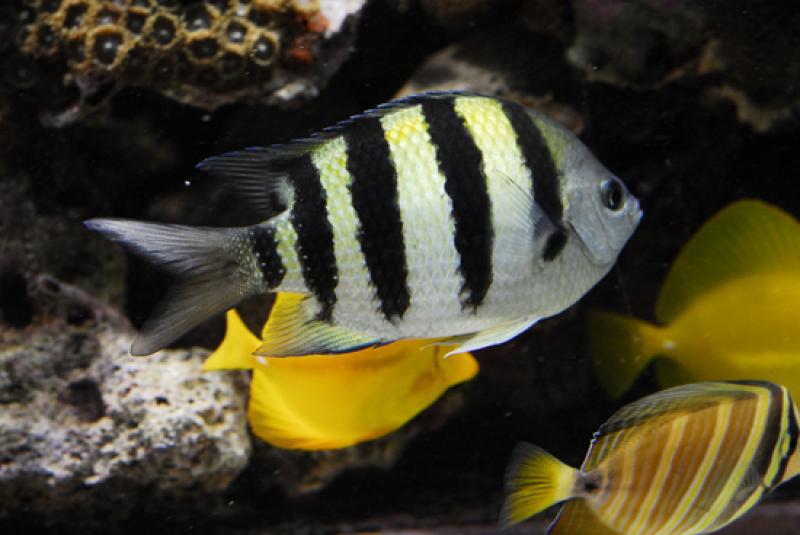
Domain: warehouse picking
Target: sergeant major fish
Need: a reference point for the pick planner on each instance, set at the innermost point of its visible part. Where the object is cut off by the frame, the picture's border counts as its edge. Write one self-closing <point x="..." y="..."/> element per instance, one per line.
<point x="682" y="461"/>
<point x="447" y="216"/>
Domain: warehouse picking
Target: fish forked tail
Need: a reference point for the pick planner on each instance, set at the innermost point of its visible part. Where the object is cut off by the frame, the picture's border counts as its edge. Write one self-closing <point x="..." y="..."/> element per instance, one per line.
<point x="622" y="347"/>
<point x="535" y="480"/>
<point x="210" y="277"/>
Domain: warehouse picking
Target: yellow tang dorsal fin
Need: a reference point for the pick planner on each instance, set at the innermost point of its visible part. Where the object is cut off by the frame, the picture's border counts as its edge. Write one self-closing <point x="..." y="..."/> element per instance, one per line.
<point x="577" y="518"/>
<point x="292" y="330"/>
<point x="745" y="238"/>
<point x="236" y="350"/>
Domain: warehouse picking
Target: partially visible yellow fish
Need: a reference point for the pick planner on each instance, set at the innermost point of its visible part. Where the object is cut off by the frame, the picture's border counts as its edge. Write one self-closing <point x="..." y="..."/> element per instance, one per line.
<point x="729" y="309"/>
<point x="683" y="461"/>
<point x="328" y="402"/>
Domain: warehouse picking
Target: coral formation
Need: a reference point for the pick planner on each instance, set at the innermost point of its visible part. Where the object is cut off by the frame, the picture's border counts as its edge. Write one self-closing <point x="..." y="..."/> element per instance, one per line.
<point x="203" y="53"/>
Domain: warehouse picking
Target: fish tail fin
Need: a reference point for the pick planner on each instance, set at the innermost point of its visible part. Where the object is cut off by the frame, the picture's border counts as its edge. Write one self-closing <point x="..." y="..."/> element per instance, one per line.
<point x="236" y="350"/>
<point x="535" y="480"/>
<point x="621" y="348"/>
<point x="210" y="277"/>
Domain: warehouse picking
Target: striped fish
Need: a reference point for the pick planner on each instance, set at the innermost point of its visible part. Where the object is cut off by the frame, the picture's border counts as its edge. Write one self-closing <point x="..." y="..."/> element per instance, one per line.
<point x="686" y="460"/>
<point x="447" y="216"/>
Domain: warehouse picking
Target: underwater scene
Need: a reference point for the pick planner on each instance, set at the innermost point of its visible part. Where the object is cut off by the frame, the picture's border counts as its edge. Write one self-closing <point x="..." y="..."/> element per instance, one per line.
<point x="399" y="267"/>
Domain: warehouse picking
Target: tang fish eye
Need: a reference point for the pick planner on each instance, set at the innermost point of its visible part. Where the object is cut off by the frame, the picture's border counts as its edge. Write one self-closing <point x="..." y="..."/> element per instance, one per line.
<point x="613" y="194"/>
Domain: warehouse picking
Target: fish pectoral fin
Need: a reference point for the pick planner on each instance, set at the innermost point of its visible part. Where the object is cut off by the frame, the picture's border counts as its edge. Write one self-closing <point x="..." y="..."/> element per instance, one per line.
<point x="745" y="238"/>
<point x="236" y="350"/>
<point x="292" y="331"/>
<point x="489" y="337"/>
<point x="577" y="518"/>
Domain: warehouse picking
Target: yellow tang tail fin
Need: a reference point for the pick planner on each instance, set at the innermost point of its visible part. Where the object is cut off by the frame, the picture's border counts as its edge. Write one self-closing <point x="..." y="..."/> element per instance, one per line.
<point x="535" y="480"/>
<point x="621" y="348"/>
<point x="236" y="350"/>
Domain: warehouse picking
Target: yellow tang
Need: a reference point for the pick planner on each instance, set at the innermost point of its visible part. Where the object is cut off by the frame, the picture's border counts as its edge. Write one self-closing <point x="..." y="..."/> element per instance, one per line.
<point x="729" y="309"/>
<point x="686" y="460"/>
<point x="327" y="402"/>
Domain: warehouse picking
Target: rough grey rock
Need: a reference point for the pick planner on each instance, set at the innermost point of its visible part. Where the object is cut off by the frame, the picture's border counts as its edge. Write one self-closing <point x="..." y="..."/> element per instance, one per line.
<point x="83" y="424"/>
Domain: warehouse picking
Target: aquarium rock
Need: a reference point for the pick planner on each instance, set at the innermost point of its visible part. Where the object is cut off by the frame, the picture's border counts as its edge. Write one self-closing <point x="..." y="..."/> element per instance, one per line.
<point x="84" y="426"/>
<point x="72" y="55"/>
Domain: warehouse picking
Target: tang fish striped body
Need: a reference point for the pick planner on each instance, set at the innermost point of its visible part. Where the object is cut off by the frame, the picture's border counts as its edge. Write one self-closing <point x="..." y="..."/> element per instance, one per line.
<point x="448" y="216"/>
<point x="686" y="460"/>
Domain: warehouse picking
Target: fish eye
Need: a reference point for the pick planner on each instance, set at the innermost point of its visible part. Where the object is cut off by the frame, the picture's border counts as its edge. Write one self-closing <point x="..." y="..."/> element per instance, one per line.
<point x="613" y="194"/>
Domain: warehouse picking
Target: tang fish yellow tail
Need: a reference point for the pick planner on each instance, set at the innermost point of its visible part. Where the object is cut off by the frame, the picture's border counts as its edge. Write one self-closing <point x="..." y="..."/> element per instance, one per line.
<point x="621" y="348"/>
<point x="535" y="480"/>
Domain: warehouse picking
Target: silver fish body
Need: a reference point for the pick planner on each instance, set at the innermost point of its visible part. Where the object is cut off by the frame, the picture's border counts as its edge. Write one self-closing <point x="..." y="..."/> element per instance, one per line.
<point x="450" y="216"/>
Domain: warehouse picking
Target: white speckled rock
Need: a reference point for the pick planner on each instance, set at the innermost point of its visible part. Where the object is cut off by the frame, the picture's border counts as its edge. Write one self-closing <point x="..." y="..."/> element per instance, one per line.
<point x="84" y="427"/>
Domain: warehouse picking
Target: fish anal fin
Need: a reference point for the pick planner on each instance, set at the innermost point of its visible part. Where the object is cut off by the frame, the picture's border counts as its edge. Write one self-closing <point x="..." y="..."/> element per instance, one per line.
<point x="236" y="350"/>
<point x="490" y="337"/>
<point x="292" y="331"/>
<point x="745" y="238"/>
<point x="577" y="518"/>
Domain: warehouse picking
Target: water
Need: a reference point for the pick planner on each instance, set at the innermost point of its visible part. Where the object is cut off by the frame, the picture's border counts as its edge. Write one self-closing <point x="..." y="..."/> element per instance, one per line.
<point x="692" y="107"/>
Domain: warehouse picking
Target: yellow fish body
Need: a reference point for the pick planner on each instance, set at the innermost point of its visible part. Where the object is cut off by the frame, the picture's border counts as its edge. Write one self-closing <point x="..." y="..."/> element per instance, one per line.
<point x="729" y="309"/>
<point x="687" y="460"/>
<point x="324" y="402"/>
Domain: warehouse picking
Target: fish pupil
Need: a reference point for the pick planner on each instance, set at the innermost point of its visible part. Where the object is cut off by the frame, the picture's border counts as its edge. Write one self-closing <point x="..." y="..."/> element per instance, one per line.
<point x="591" y="483"/>
<point x="612" y="194"/>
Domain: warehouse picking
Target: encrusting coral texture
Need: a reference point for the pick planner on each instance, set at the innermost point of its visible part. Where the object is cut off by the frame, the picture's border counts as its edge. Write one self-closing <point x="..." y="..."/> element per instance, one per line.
<point x="203" y="53"/>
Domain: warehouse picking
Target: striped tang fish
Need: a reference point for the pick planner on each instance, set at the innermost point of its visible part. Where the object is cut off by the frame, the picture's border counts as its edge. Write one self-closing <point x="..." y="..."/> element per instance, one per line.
<point x="686" y="460"/>
<point x="447" y="216"/>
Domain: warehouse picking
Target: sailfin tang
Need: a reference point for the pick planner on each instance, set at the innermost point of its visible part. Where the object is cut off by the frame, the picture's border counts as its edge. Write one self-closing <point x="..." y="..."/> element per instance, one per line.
<point x="745" y="238"/>
<point x="236" y="350"/>
<point x="293" y="331"/>
<point x="535" y="480"/>
<point x="621" y="348"/>
<point x="577" y="518"/>
<point x="208" y="277"/>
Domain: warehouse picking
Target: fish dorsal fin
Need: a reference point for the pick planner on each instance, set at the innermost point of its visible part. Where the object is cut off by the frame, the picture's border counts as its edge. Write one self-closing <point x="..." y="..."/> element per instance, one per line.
<point x="293" y="331"/>
<point x="489" y="337"/>
<point x="577" y="518"/>
<point x="671" y="403"/>
<point x="746" y="237"/>
<point x="236" y="350"/>
<point x="258" y="174"/>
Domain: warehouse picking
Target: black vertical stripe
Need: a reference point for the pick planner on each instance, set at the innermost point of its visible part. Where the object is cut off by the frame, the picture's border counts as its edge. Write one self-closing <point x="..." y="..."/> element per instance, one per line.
<point x="793" y="432"/>
<point x="773" y="430"/>
<point x="546" y="186"/>
<point x="461" y="163"/>
<point x="269" y="261"/>
<point x="314" y="234"/>
<point x="374" y="193"/>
